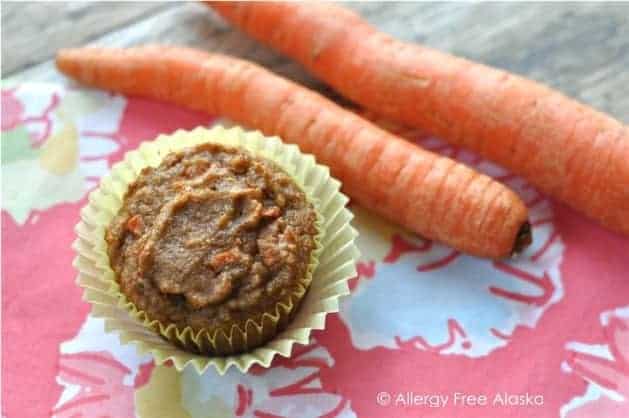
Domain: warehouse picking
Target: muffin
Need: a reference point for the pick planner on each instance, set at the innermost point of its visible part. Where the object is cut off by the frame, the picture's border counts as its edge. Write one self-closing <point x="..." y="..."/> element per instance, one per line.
<point x="212" y="240"/>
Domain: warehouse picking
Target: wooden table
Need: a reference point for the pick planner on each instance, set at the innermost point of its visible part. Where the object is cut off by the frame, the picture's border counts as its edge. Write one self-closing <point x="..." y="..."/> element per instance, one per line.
<point x="581" y="49"/>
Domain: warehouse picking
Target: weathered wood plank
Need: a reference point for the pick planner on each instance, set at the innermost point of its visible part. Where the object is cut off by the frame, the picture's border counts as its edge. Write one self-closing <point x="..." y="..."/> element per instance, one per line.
<point x="581" y="49"/>
<point x="32" y="31"/>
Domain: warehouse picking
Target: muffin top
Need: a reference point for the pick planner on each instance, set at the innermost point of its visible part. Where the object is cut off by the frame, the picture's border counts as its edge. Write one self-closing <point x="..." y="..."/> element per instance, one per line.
<point x="211" y="237"/>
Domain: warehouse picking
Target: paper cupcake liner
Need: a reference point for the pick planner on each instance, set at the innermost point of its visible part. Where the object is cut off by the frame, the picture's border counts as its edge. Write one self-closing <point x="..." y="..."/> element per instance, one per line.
<point x="332" y="264"/>
<point x="235" y="336"/>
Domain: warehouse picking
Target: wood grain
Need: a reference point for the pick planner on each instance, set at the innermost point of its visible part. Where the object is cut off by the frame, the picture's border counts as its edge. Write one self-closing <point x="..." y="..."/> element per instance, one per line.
<point x="581" y="49"/>
<point x="32" y="31"/>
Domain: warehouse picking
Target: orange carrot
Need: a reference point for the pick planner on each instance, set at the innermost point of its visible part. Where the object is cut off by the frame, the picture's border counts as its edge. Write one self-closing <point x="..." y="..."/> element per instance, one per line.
<point x="565" y="148"/>
<point x="431" y="195"/>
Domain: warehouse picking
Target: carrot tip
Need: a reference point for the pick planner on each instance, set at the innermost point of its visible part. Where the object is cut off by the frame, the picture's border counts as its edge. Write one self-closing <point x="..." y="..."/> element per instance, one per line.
<point x="523" y="239"/>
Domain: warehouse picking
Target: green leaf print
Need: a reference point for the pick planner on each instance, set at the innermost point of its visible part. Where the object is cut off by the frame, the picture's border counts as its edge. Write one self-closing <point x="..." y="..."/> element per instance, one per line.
<point x="16" y="146"/>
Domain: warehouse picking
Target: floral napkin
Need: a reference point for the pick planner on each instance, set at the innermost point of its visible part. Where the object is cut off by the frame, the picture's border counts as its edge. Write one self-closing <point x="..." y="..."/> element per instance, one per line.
<point x="426" y="332"/>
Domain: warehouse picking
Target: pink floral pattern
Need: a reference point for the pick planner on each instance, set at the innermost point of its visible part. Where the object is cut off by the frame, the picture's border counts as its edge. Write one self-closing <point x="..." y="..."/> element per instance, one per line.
<point x="36" y="116"/>
<point x="42" y="306"/>
<point x="97" y="378"/>
<point x="606" y="368"/>
<point x="12" y="110"/>
<point x="291" y="388"/>
<point x="422" y="317"/>
<point x="49" y="146"/>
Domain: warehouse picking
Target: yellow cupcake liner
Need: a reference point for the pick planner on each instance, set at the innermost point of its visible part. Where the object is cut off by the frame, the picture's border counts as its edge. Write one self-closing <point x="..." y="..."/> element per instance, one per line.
<point x="332" y="263"/>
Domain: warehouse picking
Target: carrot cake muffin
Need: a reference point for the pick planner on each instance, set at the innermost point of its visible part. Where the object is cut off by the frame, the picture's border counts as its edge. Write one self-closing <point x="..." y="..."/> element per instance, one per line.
<point x="210" y="238"/>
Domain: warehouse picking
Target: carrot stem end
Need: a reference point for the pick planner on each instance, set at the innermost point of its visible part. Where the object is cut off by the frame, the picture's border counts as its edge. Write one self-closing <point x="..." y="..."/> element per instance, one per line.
<point x="523" y="239"/>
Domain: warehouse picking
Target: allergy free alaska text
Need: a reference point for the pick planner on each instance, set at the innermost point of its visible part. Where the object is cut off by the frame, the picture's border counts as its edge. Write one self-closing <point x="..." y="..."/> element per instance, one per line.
<point x="461" y="399"/>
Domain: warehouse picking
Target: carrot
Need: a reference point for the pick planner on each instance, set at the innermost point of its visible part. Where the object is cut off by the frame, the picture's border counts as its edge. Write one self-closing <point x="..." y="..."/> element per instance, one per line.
<point x="565" y="148"/>
<point x="431" y="195"/>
